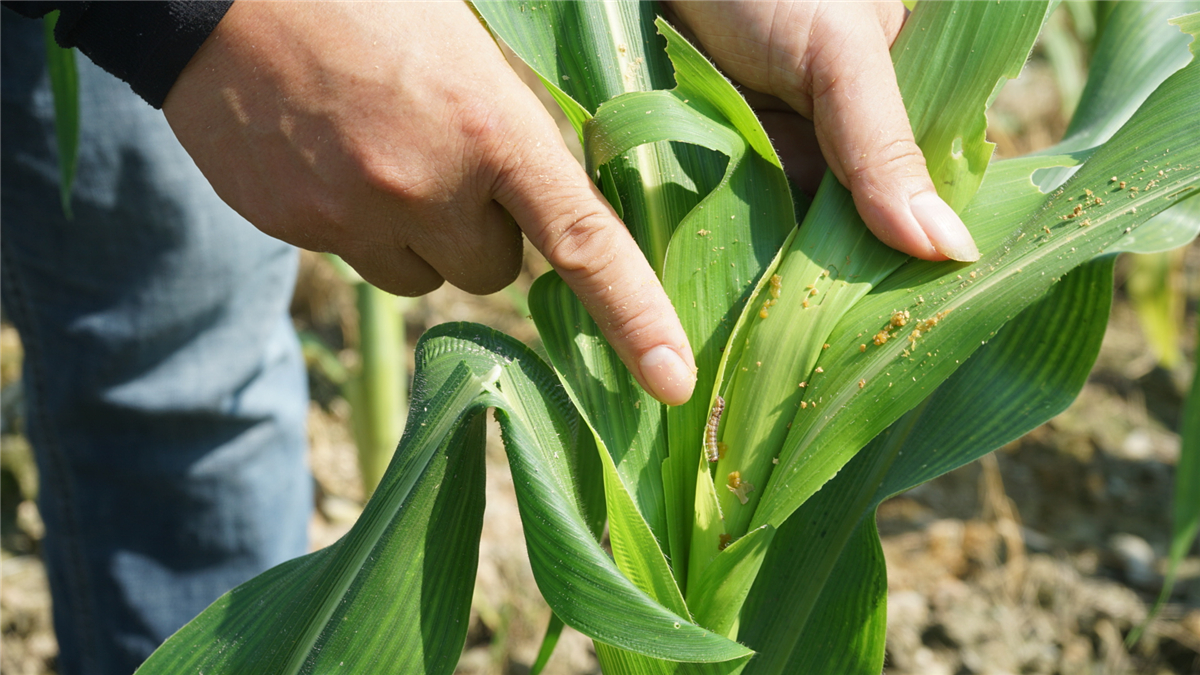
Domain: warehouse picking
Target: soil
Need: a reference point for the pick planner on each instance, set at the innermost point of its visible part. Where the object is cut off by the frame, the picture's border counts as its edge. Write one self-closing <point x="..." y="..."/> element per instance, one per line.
<point x="1039" y="559"/>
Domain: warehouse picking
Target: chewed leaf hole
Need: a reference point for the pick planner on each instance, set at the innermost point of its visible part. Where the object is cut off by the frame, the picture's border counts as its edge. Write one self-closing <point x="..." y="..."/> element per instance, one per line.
<point x="956" y="148"/>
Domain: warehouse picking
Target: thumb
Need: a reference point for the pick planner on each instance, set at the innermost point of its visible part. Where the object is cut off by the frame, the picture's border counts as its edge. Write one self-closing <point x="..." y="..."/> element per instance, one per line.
<point x="868" y="143"/>
<point x="567" y="219"/>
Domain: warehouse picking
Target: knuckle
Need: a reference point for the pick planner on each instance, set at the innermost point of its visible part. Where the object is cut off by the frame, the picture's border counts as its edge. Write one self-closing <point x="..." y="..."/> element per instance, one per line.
<point x="788" y="52"/>
<point x="635" y="316"/>
<point x="580" y="245"/>
<point x="585" y="253"/>
<point x="411" y="183"/>
<point x="489" y="139"/>
<point x="477" y="122"/>
<point x="830" y="47"/>
<point x="887" y="163"/>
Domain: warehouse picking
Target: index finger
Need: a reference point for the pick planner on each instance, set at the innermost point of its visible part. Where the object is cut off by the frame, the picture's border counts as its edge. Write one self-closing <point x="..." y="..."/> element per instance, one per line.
<point x="566" y="217"/>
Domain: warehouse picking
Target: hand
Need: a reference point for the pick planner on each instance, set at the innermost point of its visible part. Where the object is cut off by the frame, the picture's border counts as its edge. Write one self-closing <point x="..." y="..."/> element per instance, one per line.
<point x="395" y="135"/>
<point x="829" y="62"/>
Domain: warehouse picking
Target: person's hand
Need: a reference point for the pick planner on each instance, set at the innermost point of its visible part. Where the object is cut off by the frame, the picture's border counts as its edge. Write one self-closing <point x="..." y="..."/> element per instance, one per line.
<point x="395" y="135"/>
<point x="829" y="62"/>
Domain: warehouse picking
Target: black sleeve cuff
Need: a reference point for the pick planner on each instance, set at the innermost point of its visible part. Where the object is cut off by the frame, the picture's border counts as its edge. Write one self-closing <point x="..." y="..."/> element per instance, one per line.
<point x="146" y="44"/>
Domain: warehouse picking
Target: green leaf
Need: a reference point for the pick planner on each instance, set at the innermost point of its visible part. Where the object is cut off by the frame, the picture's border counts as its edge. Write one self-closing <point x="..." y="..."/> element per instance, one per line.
<point x="613" y="45"/>
<point x="628" y="426"/>
<point x="846" y="631"/>
<point x="633" y="545"/>
<point x="639" y="118"/>
<point x="716" y="257"/>
<point x="581" y="584"/>
<point x="1156" y="290"/>
<point x="716" y="595"/>
<point x="395" y="571"/>
<point x="549" y="641"/>
<point x="1137" y="51"/>
<point x="1033" y="369"/>
<point x="863" y="393"/>
<point x="1168" y="230"/>
<point x="975" y="48"/>
<point x="64" y="85"/>
<point x="821" y="563"/>
<point x="950" y="58"/>
<point x="627" y="421"/>
<point x="660" y="184"/>
<point x="615" y="661"/>
<point x="299" y="615"/>
<point x="1030" y="372"/>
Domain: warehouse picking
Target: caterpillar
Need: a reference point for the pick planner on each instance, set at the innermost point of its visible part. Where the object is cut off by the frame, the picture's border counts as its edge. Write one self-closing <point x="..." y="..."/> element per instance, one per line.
<point x="710" y="430"/>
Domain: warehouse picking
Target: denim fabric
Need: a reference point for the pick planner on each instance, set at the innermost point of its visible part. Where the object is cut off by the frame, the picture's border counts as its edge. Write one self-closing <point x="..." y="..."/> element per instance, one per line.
<point x="165" y="391"/>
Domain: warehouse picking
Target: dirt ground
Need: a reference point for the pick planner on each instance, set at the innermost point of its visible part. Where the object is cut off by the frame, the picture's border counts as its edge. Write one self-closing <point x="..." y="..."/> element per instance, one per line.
<point x="1039" y="559"/>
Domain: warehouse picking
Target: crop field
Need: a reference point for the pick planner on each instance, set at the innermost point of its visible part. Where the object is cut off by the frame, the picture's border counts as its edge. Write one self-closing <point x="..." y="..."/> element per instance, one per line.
<point x="1041" y="558"/>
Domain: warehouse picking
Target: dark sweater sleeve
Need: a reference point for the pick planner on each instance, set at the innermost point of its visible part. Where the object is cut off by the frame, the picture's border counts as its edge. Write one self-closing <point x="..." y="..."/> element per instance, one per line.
<point x="146" y="44"/>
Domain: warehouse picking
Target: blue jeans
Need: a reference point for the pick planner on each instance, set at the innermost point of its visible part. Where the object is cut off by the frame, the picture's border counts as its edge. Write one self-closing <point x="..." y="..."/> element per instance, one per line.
<point x="165" y="391"/>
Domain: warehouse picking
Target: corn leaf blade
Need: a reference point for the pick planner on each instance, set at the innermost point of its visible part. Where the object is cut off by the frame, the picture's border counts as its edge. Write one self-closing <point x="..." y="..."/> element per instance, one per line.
<point x="726" y="582"/>
<point x="1137" y="51"/>
<point x="629" y="431"/>
<point x="1048" y="245"/>
<point x="1030" y="372"/>
<point x="283" y="620"/>
<point x="549" y="641"/>
<point x="834" y="260"/>
<point x="627" y="421"/>
<point x="614" y="661"/>
<point x="716" y="256"/>
<point x="1167" y="231"/>
<point x="396" y="572"/>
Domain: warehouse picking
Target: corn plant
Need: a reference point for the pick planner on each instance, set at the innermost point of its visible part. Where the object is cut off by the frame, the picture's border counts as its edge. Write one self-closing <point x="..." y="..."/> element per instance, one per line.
<point x="1154" y="282"/>
<point x="834" y="371"/>
<point x="376" y="387"/>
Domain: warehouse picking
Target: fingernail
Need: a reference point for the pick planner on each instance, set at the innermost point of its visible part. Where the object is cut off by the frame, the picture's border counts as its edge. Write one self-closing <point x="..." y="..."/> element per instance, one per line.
<point x="943" y="227"/>
<point x="669" y="379"/>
